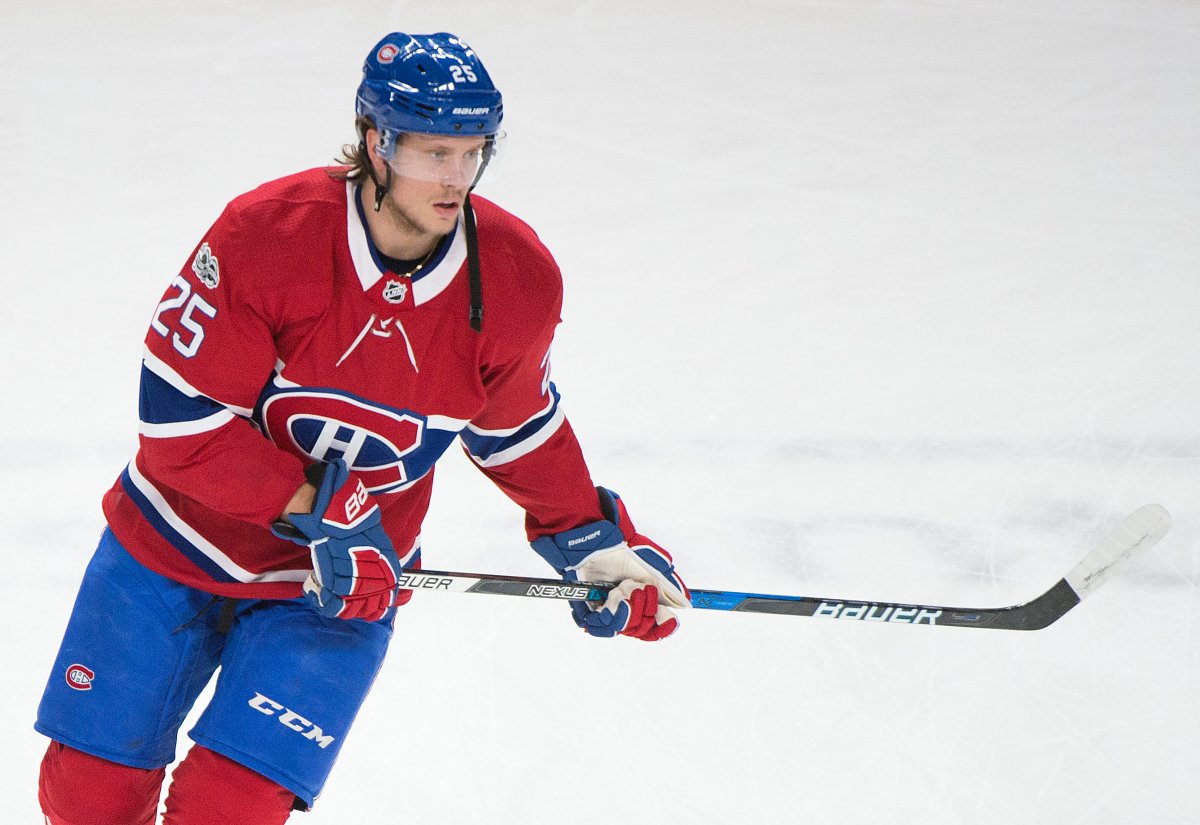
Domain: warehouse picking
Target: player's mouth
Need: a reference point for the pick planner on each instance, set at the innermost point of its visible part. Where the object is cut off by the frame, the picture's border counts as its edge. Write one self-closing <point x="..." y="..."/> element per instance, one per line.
<point x="446" y="209"/>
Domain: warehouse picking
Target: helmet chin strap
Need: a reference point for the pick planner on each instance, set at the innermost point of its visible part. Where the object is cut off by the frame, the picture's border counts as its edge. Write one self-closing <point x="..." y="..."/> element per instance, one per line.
<point x="474" y="282"/>
<point x="489" y="148"/>
<point x="381" y="189"/>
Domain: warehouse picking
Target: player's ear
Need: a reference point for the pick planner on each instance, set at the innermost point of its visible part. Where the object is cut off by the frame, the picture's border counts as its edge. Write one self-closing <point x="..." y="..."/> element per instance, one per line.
<point x="371" y="138"/>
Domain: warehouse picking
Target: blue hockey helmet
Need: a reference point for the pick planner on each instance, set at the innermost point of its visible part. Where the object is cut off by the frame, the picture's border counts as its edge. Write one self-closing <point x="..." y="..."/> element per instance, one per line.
<point x="427" y="83"/>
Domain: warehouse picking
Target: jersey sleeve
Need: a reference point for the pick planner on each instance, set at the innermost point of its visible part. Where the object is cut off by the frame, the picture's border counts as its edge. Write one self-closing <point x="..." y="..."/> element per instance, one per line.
<point x="521" y="439"/>
<point x="208" y="353"/>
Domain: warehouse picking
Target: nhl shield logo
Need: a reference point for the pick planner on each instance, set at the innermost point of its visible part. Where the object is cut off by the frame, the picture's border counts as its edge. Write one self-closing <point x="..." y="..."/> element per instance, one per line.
<point x="206" y="268"/>
<point x="80" y="677"/>
<point x="394" y="292"/>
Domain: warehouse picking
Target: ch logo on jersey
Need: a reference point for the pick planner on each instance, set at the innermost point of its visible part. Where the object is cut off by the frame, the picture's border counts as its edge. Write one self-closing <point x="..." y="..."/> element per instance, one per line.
<point x="80" y="677"/>
<point x="322" y="425"/>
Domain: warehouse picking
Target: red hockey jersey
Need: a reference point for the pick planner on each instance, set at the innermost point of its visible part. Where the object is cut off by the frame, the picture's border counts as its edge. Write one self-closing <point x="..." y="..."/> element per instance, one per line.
<point x="286" y="340"/>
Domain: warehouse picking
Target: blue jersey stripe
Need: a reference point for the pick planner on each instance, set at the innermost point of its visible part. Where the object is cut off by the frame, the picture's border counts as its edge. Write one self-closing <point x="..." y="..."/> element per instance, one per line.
<point x="483" y="447"/>
<point x="172" y="536"/>
<point x="160" y="403"/>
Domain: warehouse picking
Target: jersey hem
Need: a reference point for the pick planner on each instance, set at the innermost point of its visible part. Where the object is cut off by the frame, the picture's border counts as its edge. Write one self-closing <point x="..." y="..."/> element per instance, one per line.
<point x="284" y="591"/>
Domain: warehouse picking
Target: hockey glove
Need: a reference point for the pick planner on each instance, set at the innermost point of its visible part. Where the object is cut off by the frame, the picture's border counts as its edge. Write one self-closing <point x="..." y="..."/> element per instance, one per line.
<point x="355" y="568"/>
<point x="613" y="551"/>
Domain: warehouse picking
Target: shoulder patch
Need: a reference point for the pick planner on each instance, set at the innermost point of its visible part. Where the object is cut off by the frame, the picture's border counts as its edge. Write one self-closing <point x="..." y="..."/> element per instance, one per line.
<point x="206" y="267"/>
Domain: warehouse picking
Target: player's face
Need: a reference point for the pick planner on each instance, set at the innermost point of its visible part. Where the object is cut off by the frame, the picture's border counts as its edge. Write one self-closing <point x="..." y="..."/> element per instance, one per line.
<point x="432" y="176"/>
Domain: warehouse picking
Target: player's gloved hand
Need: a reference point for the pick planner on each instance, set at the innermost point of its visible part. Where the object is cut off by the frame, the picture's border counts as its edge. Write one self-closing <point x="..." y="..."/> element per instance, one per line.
<point x="355" y="568"/>
<point x="613" y="551"/>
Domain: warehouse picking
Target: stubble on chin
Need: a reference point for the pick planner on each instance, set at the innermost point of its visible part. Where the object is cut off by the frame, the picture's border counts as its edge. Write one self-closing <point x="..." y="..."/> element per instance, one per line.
<point x="405" y="221"/>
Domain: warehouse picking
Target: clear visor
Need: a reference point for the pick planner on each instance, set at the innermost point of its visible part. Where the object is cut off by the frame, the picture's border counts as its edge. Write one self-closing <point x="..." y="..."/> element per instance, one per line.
<point x="449" y="160"/>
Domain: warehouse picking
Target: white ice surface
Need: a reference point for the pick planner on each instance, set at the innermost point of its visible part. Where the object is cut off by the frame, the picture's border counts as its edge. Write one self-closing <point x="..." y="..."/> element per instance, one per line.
<point x="890" y="299"/>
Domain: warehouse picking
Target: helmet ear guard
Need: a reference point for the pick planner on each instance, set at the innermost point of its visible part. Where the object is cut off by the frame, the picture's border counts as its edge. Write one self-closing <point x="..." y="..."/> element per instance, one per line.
<point x="386" y="147"/>
<point x="365" y="153"/>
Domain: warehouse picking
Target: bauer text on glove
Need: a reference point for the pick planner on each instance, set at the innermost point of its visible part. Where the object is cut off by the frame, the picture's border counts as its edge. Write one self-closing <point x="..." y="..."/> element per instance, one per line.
<point x="647" y="586"/>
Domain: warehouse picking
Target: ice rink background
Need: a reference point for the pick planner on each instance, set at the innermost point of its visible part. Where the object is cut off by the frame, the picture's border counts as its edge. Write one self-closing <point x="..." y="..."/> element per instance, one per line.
<point x="892" y="300"/>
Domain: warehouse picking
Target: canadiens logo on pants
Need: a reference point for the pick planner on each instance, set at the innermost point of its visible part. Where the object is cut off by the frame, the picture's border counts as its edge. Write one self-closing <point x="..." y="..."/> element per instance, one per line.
<point x="80" y="677"/>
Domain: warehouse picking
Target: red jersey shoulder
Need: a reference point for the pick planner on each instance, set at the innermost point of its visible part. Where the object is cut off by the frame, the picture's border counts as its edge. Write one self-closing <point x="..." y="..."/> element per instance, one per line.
<point x="271" y="251"/>
<point x="503" y="233"/>
<point x="522" y="281"/>
<point x="275" y="233"/>
<point x="311" y="187"/>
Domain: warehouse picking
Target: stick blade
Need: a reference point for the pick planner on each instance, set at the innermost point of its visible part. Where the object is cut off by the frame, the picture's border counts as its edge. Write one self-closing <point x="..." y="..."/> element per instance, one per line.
<point x="1140" y="531"/>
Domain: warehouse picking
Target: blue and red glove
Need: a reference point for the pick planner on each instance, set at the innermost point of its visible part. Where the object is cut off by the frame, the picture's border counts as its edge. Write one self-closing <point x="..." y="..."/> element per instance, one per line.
<point x="613" y="551"/>
<point x="355" y="568"/>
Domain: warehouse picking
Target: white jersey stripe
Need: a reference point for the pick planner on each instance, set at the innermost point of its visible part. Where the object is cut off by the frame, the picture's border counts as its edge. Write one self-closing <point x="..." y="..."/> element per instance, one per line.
<point x="181" y="428"/>
<point x="202" y="544"/>
<point x="551" y="401"/>
<point x="525" y="446"/>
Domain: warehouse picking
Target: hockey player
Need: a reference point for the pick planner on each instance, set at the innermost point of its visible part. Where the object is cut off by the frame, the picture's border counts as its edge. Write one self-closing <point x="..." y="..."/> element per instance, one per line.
<point x="331" y="335"/>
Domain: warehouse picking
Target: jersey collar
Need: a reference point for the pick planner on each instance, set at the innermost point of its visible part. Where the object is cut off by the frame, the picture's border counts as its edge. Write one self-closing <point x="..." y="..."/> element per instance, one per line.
<point x="433" y="278"/>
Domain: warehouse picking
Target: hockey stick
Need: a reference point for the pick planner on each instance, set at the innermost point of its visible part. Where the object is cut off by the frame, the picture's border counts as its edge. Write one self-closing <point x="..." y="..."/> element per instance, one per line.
<point x="1137" y="533"/>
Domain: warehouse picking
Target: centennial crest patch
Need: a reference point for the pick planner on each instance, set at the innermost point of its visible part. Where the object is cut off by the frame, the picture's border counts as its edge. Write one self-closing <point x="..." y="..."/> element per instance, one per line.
<point x="206" y="267"/>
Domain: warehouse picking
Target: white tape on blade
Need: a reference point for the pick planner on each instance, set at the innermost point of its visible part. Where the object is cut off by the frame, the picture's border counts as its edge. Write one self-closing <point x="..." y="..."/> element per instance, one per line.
<point x="1136" y="534"/>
